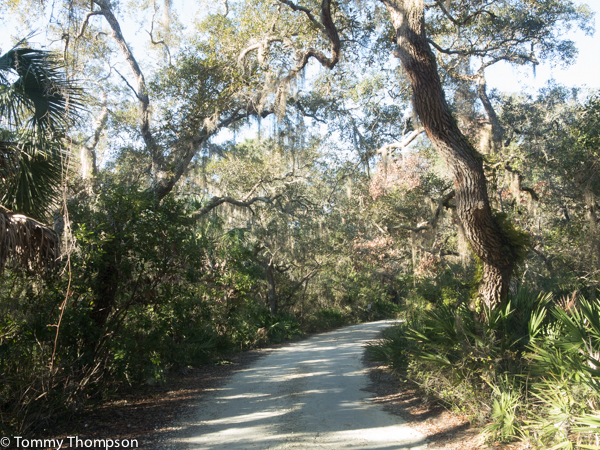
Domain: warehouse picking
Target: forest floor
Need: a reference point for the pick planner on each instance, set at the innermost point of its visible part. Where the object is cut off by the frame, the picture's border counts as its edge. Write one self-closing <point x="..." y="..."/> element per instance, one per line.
<point x="153" y="415"/>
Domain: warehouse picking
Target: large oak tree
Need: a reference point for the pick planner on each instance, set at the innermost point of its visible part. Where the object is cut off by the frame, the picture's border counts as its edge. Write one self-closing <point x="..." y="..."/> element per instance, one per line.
<point x="489" y="31"/>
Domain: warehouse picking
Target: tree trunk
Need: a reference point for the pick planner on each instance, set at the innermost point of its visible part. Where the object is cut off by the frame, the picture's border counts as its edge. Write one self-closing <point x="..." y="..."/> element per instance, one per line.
<point x="483" y="232"/>
<point x="272" y="292"/>
<point x="494" y="141"/>
<point x="590" y="200"/>
<point x="105" y="289"/>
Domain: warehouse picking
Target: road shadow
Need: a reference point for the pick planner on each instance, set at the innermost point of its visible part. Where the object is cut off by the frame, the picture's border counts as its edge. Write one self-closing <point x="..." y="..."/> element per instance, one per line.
<point x="304" y="395"/>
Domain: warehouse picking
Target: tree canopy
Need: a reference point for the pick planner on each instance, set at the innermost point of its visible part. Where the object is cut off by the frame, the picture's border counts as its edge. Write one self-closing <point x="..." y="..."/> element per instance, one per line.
<point x="225" y="174"/>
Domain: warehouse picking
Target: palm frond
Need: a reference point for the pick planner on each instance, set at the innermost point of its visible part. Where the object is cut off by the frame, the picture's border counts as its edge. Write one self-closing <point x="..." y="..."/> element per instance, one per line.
<point x="29" y="177"/>
<point x="38" y="104"/>
<point x="35" y="93"/>
<point x="26" y="242"/>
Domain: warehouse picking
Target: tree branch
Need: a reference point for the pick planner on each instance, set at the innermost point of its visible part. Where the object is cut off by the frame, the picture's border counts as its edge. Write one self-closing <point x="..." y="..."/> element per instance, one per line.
<point x="519" y="187"/>
<point x="447" y="13"/>
<point x="547" y="260"/>
<point x="158" y="42"/>
<point x="466" y="20"/>
<point x="402" y="144"/>
<point x="85" y="22"/>
<point x="299" y="284"/>
<point x="329" y="31"/>
<point x="216" y="201"/>
<point x="180" y="158"/>
<point x="126" y="82"/>
<point x="142" y="93"/>
<point x="531" y="192"/>
<point x="306" y="11"/>
<point x="90" y="166"/>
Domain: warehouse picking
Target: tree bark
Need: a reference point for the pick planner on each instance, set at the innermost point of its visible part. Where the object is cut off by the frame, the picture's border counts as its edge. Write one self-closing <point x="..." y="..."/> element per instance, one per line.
<point x="270" y="269"/>
<point x="89" y="166"/>
<point x="495" y="128"/>
<point x="483" y="232"/>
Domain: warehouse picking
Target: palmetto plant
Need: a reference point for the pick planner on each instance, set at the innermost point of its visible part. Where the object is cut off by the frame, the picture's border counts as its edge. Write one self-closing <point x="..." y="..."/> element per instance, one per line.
<point x="565" y="369"/>
<point x="37" y="105"/>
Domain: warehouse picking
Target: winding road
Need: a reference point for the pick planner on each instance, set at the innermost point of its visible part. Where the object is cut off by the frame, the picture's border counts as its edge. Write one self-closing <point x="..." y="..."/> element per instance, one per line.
<point x="309" y="395"/>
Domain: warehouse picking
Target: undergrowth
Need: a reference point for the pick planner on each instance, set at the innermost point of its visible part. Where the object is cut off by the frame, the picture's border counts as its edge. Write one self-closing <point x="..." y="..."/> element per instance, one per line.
<point x="531" y="371"/>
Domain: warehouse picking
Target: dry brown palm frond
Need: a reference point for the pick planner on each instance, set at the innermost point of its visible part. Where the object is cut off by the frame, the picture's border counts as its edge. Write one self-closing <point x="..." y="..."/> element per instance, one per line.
<point x="568" y="302"/>
<point x="26" y="242"/>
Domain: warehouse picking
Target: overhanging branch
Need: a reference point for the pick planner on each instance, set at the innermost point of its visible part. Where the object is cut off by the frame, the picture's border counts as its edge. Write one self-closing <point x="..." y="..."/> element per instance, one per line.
<point x="216" y="201"/>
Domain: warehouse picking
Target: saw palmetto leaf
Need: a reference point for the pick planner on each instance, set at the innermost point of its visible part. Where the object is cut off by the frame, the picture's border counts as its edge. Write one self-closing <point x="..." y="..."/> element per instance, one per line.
<point x="30" y="174"/>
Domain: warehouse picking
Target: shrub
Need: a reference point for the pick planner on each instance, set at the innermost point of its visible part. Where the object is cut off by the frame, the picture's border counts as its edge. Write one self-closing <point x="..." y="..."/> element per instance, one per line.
<point x="326" y="319"/>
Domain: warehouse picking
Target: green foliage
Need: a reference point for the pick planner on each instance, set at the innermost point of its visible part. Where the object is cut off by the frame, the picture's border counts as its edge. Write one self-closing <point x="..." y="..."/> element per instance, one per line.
<point x="280" y="327"/>
<point x="328" y="318"/>
<point x="516" y="242"/>
<point x="504" y="423"/>
<point x="152" y="292"/>
<point x="38" y="104"/>
<point x="564" y="360"/>
<point x="41" y="98"/>
<point x="383" y="309"/>
<point x="154" y="287"/>
<point x="530" y="371"/>
<point x="393" y="349"/>
<point x="449" y="285"/>
<point x="450" y="352"/>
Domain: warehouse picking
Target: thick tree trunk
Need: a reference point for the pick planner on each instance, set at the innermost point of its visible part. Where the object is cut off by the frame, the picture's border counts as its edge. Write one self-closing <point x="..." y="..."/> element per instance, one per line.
<point x="483" y="232"/>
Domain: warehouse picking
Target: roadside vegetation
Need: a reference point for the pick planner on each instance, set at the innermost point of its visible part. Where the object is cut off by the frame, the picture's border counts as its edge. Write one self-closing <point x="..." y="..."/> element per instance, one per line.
<point x="529" y="373"/>
<point x="529" y="368"/>
<point x="265" y="169"/>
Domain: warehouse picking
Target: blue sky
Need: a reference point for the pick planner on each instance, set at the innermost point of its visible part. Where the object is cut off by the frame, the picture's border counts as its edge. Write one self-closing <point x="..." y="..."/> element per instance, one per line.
<point x="585" y="72"/>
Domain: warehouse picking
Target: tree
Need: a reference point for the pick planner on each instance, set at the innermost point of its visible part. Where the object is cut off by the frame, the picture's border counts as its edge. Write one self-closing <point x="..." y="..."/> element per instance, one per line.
<point x="489" y="241"/>
<point x="245" y="64"/>
<point x="493" y="239"/>
<point x="553" y="145"/>
<point x="37" y="104"/>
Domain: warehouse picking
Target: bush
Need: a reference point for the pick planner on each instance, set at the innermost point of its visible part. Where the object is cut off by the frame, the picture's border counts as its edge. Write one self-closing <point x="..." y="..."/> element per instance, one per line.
<point x="383" y="309"/>
<point x="564" y="365"/>
<point x="457" y="359"/>
<point x="532" y="370"/>
<point x="326" y="319"/>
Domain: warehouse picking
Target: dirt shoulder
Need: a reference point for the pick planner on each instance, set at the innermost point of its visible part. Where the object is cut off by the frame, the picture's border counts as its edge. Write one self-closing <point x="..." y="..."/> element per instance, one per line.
<point x="443" y="429"/>
<point x="151" y="414"/>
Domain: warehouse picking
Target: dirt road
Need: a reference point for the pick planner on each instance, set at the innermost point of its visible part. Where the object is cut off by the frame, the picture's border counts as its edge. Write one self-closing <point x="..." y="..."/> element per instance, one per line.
<point x="305" y="395"/>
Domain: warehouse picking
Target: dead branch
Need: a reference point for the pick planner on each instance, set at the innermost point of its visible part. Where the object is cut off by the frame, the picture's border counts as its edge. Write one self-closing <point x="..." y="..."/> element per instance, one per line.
<point x="402" y="144"/>
<point x="161" y="42"/>
<point x="85" y="23"/>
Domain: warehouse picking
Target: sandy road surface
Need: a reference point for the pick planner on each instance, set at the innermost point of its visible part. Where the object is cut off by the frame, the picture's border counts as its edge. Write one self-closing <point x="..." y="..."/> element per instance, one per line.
<point x="305" y="395"/>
